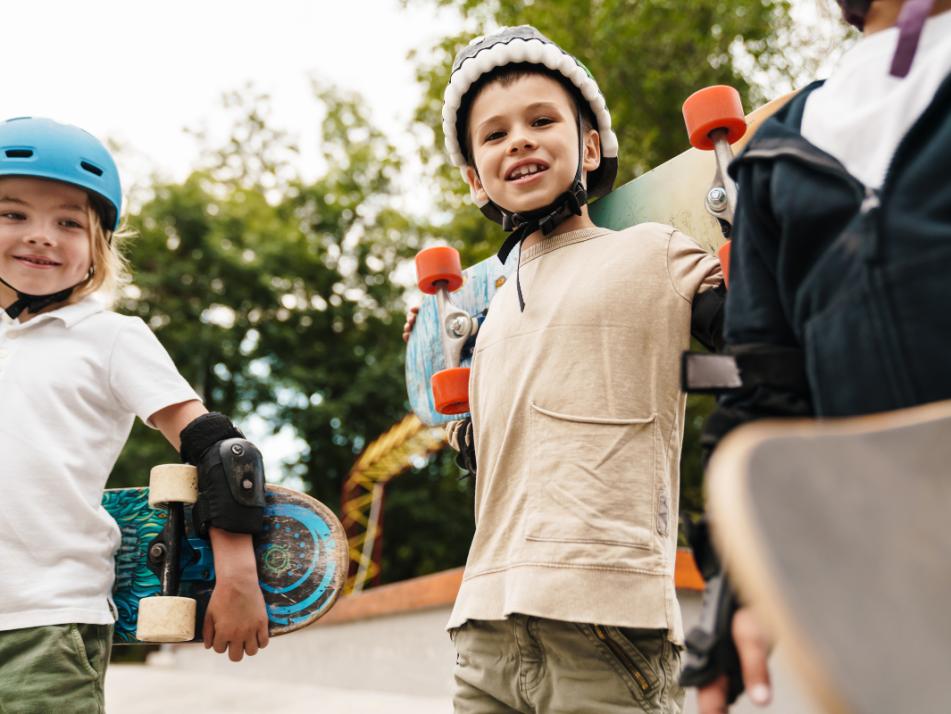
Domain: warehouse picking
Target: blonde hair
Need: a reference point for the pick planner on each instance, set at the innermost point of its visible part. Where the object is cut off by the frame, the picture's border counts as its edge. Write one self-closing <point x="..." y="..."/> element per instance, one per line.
<point x="109" y="268"/>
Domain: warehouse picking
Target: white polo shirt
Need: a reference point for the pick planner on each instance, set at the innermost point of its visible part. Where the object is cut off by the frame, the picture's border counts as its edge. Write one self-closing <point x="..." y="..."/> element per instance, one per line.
<point x="71" y="383"/>
<point x="862" y="113"/>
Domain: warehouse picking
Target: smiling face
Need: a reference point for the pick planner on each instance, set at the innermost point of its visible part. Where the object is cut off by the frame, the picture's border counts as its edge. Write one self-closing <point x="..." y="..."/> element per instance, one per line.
<point x="44" y="236"/>
<point x="524" y="139"/>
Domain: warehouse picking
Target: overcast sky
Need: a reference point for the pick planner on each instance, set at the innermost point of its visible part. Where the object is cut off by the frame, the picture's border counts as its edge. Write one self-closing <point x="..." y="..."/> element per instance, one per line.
<point x="138" y="72"/>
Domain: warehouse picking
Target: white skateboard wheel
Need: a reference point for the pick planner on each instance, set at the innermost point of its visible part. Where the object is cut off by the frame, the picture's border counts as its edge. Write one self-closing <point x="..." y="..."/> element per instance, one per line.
<point x="173" y="483"/>
<point x="166" y="619"/>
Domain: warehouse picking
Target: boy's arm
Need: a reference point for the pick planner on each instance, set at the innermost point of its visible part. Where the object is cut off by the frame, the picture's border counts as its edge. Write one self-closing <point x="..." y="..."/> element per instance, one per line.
<point x="706" y="318"/>
<point x="697" y="277"/>
<point x="236" y="619"/>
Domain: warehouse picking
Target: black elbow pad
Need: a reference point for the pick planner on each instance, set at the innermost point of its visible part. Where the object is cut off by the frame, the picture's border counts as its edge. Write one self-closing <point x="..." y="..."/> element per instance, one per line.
<point x="230" y="476"/>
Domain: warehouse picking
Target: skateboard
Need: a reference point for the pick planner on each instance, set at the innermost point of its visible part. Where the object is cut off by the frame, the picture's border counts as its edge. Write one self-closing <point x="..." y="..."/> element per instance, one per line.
<point x="429" y="353"/>
<point x="679" y="192"/>
<point x="165" y="571"/>
<point x="835" y="531"/>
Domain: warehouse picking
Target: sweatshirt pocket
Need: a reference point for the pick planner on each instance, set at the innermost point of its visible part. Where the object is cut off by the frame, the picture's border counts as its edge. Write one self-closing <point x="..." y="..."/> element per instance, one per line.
<point x="592" y="479"/>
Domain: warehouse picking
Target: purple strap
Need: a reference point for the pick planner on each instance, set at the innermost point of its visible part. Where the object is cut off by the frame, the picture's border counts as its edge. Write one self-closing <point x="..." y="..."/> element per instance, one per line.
<point x="911" y="20"/>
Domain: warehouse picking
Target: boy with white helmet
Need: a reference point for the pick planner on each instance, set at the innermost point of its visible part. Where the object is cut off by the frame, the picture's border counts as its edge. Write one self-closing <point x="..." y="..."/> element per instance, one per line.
<point x="568" y="600"/>
<point x="73" y="377"/>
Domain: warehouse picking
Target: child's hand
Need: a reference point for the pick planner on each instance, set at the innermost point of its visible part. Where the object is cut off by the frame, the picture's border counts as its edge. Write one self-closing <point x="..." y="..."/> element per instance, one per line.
<point x="236" y="620"/>
<point x="410" y="321"/>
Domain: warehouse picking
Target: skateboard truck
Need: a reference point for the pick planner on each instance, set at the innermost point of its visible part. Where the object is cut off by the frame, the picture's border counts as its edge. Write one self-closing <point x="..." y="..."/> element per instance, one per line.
<point x="439" y="272"/>
<point x="715" y="120"/>
<point x="169" y="617"/>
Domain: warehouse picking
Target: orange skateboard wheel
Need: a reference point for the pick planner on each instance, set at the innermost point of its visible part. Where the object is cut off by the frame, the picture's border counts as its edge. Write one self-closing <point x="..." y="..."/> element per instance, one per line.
<point x="710" y="108"/>
<point x="723" y="253"/>
<point x="439" y="263"/>
<point x="451" y="390"/>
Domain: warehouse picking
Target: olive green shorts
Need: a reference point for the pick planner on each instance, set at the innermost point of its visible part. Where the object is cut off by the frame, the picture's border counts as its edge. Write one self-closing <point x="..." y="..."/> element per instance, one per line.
<point x="534" y="665"/>
<point x="55" y="668"/>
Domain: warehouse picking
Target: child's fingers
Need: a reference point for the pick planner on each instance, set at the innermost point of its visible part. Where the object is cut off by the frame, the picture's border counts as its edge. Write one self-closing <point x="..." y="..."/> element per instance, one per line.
<point x="208" y="630"/>
<point x="711" y="698"/>
<point x="410" y="321"/>
<point x="220" y="644"/>
<point x="263" y="637"/>
<point x="752" y="645"/>
<point x="235" y="650"/>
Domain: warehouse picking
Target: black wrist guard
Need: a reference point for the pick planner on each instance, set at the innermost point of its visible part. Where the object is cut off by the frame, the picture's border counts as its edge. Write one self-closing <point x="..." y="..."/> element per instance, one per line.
<point x="466" y="458"/>
<point x="711" y="650"/>
<point x="230" y="476"/>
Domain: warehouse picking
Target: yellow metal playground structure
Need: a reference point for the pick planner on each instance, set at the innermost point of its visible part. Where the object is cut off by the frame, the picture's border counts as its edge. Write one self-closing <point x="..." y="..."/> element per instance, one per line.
<point x="362" y="500"/>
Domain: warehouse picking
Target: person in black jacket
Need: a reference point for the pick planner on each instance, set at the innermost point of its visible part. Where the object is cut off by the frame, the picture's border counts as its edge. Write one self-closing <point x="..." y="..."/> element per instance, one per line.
<point x="840" y="263"/>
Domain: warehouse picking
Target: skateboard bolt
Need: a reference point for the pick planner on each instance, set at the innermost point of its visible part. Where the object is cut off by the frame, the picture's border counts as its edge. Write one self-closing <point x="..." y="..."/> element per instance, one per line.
<point x="157" y="551"/>
<point x="247" y="484"/>
<point x="237" y="449"/>
<point x="459" y="326"/>
<point x="716" y="199"/>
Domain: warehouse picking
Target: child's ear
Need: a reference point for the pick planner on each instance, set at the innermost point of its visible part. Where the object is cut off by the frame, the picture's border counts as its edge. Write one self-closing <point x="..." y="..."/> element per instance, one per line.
<point x="475" y="186"/>
<point x="592" y="151"/>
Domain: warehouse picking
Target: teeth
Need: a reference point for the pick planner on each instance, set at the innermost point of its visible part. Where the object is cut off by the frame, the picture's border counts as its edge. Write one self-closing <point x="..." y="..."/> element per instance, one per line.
<point x="526" y="170"/>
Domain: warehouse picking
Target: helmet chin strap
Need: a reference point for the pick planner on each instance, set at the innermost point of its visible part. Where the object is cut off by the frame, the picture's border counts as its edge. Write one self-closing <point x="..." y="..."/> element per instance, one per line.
<point x="545" y="219"/>
<point x="35" y="303"/>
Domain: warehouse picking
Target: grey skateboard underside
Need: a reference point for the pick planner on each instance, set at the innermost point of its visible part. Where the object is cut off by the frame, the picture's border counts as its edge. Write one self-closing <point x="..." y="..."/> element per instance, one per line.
<point x="838" y="531"/>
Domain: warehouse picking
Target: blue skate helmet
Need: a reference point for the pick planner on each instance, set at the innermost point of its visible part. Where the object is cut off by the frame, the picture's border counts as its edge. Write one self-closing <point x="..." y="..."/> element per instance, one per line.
<point x="43" y="148"/>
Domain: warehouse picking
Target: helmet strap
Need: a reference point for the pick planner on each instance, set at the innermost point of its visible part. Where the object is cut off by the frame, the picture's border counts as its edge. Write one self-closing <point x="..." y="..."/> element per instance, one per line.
<point x="35" y="303"/>
<point x="911" y="21"/>
<point x="545" y="219"/>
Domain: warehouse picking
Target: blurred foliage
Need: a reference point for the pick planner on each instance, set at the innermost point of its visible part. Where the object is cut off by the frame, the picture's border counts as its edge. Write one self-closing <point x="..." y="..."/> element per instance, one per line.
<point x="273" y="296"/>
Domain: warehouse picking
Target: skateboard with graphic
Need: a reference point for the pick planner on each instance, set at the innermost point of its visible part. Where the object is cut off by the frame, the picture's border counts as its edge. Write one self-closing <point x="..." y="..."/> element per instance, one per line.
<point x="679" y="192"/>
<point x="836" y="532"/>
<point x="165" y="571"/>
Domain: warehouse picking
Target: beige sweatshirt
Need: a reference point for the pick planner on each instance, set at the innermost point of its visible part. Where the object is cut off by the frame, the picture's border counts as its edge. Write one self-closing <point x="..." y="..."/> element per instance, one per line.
<point x="578" y="422"/>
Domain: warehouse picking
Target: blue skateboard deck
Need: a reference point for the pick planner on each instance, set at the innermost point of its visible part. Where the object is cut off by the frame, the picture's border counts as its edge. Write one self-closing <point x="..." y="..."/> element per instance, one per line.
<point x="424" y="354"/>
<point x="301" y="559"/>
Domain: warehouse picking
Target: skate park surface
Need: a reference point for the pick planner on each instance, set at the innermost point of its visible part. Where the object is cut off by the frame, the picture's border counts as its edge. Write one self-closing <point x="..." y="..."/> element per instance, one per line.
<point x="384" y="651"/>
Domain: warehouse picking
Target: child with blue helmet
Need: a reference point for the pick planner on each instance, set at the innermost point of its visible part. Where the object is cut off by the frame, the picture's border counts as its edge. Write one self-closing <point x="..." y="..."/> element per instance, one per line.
<point x="568" y="600"/>
<point x="840" y="258"/>
<point x="73" y="376"/>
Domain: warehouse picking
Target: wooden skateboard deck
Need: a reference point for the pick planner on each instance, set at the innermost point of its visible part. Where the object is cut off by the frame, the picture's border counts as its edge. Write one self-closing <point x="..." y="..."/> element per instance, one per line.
<point x="836" y="533"/>
<point x="301" y="559"/>
<point x="673" y="193"/>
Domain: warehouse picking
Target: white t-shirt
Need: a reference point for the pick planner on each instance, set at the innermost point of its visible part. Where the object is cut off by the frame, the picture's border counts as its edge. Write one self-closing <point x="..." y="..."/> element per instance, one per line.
<point x="862" y="112"/>
<point x="71" y="383"/>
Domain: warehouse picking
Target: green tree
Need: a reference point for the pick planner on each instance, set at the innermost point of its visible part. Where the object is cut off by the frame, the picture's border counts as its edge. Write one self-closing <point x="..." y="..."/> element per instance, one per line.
<point x="273" y="294"/>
